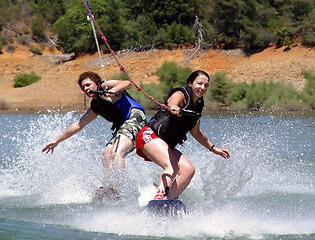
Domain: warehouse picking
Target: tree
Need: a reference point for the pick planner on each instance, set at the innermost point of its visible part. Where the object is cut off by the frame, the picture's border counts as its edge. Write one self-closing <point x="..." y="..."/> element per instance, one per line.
<point x="72" y="29"/>
<point x="112" y="23"/>
<point x="38" y="28"/>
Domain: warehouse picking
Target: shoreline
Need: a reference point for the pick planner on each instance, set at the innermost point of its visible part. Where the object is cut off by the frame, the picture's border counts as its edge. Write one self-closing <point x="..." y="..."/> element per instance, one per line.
<point x="58" y="88"/>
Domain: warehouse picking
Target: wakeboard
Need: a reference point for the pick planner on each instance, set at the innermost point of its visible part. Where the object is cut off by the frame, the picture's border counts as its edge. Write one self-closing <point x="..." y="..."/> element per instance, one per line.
<point x="174" y="208"/>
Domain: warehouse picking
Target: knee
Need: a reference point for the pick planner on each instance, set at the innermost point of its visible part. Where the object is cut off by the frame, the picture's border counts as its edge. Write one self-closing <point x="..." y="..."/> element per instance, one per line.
<point x="189" y="170"/>
<point x="170" y="171"/>
<point x="192" y="170"/>
<point x="107" y="155"/>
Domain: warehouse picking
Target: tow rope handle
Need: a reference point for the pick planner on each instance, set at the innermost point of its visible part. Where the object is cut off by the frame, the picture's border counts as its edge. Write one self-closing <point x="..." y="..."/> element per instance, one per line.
<point x="190" y="113"/>
<point x="102" y="92"/>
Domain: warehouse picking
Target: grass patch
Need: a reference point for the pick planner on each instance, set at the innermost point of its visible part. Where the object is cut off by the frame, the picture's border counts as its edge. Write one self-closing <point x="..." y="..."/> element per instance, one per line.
<point x="24" y="79"/>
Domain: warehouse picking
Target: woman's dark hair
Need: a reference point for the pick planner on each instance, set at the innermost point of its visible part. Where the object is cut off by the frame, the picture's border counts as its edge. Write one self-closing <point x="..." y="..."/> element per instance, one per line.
<point x="91" y="75"/>
<point x="195" y="74"/>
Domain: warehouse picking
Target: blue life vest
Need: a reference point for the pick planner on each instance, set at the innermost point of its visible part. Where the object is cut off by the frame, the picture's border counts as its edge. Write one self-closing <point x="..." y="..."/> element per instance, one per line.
<point x="126" y="103"/>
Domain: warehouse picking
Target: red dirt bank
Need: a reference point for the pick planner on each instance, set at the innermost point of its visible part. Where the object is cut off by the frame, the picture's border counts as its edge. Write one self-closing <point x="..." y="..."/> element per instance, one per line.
<point x="58" y="87"/>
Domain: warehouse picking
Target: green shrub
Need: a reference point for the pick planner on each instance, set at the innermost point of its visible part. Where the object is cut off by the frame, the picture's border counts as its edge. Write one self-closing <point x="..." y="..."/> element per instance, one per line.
<point x="287" y="41"/>
<point x="24" y="79"/>
<point x="265" y="95"/>
<point x="308" y="92"/>
<point x="309" y="87"/>
<point x="179" y="34"/>
<point x="280" y="94"/>
<point x="280" y="36"/>
<point x="153" y="90"/>
<point x="35" y="50"/>
<point x="240" y="105"/>
<point x="255" y="95"/>
<point x="3" y="40"/>
<point x="22" y="39"/>
<point x="237" y="94"/>
<point x="171" y="76"/>
<point x="119" y="76"/>
<point x="309" y="39"/>
<point x="26" y="31"/>
<point x="220" y="87"/>
<point x="132" y="34"/>
<point x="38" y="27"/>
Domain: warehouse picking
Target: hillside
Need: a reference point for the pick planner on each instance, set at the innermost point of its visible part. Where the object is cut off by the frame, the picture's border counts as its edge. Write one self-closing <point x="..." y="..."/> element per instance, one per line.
<point x="58" y="87"/>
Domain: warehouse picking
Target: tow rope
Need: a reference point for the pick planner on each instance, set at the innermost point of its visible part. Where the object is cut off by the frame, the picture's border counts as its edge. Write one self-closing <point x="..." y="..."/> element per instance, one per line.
<point x="121" y="67"/>
<point x="98" y="47"/>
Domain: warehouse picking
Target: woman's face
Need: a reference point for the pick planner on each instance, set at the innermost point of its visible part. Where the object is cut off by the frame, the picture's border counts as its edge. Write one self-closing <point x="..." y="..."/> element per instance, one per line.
<point x="199" y="86"/>
<point x="87" y="85"/>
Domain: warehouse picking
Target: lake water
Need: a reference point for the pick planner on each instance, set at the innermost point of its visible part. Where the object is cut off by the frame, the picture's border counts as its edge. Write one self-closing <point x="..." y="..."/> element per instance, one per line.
<point x="266" y="190"/>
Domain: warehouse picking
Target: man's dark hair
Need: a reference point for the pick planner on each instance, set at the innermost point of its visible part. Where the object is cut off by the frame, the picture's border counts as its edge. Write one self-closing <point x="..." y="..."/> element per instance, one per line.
<point x="91" y="75"/>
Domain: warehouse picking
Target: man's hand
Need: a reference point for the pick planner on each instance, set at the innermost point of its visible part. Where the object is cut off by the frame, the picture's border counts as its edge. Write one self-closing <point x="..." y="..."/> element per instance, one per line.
<point x="50" y="147"/>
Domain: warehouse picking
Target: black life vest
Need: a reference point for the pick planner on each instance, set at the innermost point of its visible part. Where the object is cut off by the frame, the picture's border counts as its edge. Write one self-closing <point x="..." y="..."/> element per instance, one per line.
<point x="108" y="110"/>
<point x="171" y="128"/>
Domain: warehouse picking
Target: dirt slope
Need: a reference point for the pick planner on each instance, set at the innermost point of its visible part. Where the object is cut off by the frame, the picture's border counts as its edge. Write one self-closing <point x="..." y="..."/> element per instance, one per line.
<point x="58" y="87"/>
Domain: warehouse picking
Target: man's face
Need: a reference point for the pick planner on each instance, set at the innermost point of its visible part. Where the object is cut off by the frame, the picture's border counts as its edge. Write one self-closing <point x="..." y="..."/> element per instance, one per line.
<point x="87" y="85"/>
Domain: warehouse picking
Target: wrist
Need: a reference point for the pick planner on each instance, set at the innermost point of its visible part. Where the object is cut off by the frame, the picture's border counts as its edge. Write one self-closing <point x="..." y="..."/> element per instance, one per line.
<point x="211" y="148"/>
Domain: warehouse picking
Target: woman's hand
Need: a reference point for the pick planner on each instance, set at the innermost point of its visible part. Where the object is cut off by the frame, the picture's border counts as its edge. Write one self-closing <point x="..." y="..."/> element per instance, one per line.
<point x="176" y="110"/>
<point x="222" y="152"/>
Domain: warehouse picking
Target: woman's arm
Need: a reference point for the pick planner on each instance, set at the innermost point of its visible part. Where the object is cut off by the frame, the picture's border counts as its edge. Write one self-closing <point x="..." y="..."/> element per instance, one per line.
<point x="176" y="101"/>
<point x="71" y="130"/>
<point x="204" y="141"/>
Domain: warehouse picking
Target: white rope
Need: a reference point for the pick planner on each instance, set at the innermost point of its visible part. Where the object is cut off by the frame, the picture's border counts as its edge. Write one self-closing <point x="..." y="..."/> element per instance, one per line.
<point x="98" y="48"/>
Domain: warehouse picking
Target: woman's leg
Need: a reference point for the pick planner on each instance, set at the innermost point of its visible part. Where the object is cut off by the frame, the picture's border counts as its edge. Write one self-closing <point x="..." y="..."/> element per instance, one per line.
<point x="173" y="162"/>
<point x="160" y="153"/>
<point x="185" y="174"/>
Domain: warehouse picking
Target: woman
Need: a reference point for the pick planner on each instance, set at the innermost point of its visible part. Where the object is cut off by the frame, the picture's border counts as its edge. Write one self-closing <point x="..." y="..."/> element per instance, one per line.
<point x="157" y="140"/>
<point x="116" y="106"/>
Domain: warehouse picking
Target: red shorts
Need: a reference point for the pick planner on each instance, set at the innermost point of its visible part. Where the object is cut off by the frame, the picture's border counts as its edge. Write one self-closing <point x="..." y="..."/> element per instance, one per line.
<point x="144" y="136"/>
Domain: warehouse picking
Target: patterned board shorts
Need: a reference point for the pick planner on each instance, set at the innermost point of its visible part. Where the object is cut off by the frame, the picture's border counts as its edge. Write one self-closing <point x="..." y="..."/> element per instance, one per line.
<point x="131" y="126"/>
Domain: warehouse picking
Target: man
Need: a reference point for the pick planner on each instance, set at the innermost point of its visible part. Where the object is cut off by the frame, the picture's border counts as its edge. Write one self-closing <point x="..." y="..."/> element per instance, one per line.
<point x="111" y="101"/>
